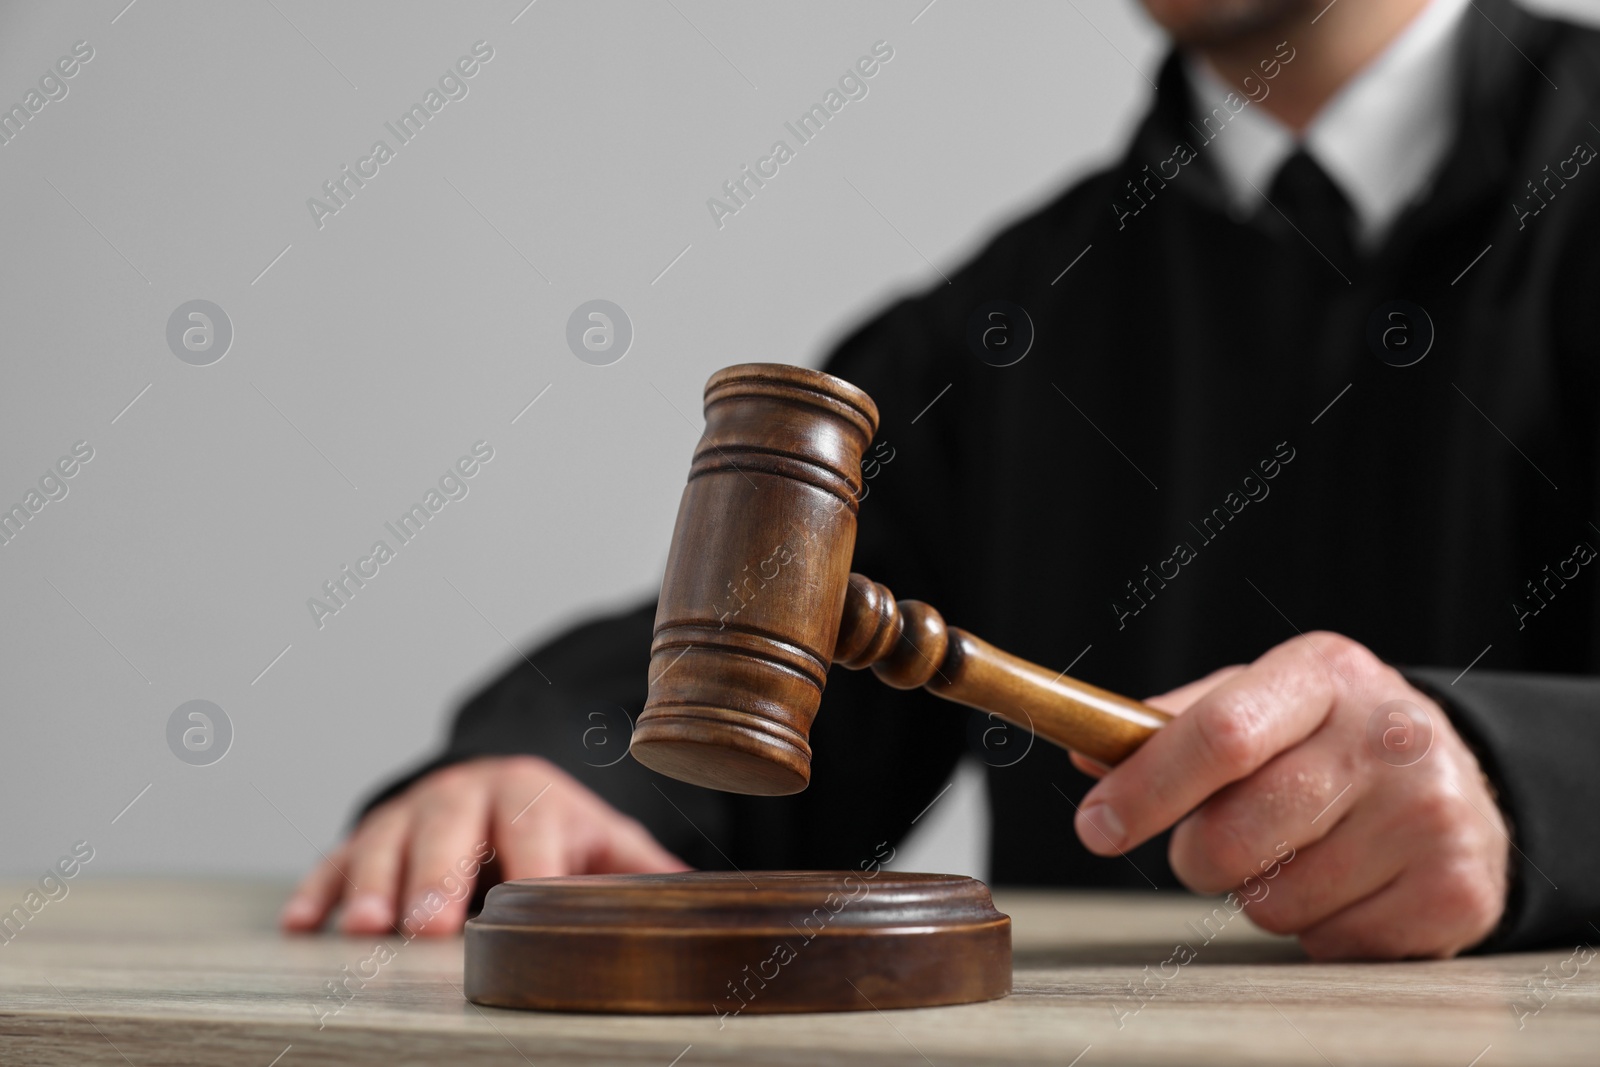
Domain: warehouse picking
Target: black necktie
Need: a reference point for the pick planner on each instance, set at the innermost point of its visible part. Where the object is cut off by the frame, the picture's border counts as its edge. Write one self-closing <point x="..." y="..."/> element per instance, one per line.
<point x="1312" y="202"/>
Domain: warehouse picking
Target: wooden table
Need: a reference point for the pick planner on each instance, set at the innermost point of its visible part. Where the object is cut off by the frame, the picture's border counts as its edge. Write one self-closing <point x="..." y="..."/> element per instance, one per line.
<point x="185" y="972"/>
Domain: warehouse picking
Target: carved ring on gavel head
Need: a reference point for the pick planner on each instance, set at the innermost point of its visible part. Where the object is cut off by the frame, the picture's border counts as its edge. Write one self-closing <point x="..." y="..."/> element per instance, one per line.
<point x="758" y="601"/>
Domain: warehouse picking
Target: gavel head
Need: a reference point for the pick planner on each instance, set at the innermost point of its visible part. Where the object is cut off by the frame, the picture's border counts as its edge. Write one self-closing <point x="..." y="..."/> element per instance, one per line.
<point x="756" y="580"/>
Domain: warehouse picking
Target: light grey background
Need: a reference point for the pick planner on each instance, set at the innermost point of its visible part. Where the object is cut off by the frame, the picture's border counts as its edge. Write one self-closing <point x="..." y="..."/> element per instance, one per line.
<point x="374" y="352"/>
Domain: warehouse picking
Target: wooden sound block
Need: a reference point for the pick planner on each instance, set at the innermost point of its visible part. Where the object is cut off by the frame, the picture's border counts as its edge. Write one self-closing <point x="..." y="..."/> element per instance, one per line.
<point x="727" y="943"/>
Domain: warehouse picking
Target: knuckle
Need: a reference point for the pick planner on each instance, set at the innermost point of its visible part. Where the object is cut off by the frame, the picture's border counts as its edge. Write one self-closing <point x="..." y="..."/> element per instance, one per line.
<point x="524" y="767"/>
<point x="1437" y="812"/>
<point x="1344" y="656"/>
<point x="1233" y="732"/>
<point x="449" y="779"/>
<point x="1487" y="906"/>
<point x="1469" y="900"/>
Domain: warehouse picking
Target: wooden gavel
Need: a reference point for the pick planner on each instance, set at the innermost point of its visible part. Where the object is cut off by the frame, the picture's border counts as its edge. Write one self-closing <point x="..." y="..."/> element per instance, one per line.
<point x="735" y="683"/>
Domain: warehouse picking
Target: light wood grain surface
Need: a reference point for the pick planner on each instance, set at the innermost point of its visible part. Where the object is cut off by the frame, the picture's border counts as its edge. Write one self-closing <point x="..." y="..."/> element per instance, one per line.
<point x="186" y="972"/>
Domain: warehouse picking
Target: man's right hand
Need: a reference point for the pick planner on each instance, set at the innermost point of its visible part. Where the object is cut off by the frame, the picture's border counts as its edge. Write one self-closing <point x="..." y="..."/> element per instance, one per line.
<point x="432" y="839"/>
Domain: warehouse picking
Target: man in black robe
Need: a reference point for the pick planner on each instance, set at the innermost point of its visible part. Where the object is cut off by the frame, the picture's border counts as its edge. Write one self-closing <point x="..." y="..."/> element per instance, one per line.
<point x="1305" y="382"/>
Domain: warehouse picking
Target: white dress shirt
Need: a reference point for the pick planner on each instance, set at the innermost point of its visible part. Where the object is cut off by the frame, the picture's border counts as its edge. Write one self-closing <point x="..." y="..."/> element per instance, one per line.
<point x="1380" y="138"/>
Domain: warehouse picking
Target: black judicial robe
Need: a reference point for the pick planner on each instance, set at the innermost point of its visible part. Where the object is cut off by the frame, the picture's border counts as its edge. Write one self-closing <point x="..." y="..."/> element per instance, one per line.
<point x="1443" y="513"/>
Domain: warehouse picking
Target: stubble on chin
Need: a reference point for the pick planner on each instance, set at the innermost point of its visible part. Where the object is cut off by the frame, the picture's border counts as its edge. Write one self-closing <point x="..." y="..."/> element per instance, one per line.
<point x="1210" y="23"/>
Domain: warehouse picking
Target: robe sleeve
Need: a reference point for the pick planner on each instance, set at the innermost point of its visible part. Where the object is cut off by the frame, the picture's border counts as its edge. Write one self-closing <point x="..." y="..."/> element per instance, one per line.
<point x="1537" y="737"/>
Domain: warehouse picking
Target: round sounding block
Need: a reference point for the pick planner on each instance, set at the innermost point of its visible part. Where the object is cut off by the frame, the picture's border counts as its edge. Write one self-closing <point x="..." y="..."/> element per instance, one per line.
<point x="726" y="943"/>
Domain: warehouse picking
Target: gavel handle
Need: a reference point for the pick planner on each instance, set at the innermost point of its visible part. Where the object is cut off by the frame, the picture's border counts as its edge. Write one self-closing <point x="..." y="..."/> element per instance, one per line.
<point x="907" y="645"/>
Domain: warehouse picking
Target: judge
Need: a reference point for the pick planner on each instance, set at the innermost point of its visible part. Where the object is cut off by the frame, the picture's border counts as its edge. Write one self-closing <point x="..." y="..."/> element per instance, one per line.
<point x="1299" y="420"/>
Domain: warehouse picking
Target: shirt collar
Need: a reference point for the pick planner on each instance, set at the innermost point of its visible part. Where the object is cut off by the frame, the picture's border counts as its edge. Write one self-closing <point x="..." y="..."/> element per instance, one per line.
<point x="1380" y="138"/>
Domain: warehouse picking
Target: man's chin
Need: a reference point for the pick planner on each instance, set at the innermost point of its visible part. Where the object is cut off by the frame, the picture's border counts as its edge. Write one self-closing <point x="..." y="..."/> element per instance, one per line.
<point x="1208" y="23"/>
